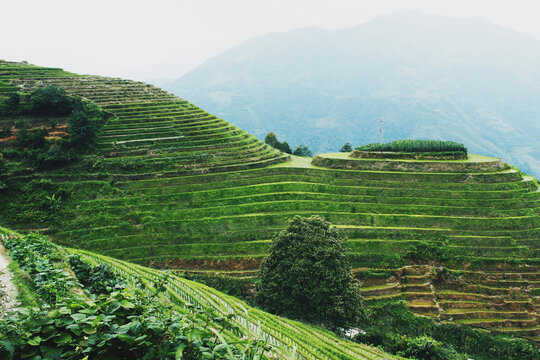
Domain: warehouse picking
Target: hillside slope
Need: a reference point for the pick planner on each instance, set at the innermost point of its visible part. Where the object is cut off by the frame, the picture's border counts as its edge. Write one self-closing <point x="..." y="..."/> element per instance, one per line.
<point x="286" y="337"/>
<point x="427" y="76"/>
<point x="142" y="202"/>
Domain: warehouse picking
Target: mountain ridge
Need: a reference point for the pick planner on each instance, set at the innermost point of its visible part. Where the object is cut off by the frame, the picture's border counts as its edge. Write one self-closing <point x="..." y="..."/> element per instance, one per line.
<point x="325" y="87"/>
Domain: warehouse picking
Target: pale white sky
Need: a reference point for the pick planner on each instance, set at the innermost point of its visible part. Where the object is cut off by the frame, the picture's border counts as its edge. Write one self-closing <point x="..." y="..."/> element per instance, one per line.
<point x="154" y="39"/>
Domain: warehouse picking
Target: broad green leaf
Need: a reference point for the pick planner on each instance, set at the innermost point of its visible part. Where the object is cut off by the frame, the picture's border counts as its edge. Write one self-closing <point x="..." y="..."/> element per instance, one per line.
<point x="126" y="304"/>
<point x="63" y="338"/>
<point x="89" y="330"/>
<point x="35" y="341"/>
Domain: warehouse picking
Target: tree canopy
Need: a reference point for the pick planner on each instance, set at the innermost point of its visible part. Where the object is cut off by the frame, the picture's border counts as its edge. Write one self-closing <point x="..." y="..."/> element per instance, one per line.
<point x="347" y="147"/>
<point x="307" y="275"/>
<point x="271" y="139"/>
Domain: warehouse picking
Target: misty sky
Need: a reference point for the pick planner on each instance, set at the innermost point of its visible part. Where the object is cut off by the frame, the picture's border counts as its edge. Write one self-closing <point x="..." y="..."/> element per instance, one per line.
<point x="147" y="40"/>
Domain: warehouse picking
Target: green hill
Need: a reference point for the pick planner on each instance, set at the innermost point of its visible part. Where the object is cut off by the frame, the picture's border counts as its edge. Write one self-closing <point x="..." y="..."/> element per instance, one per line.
<point x="172" y="185"/>
<point x="286" y="337"/>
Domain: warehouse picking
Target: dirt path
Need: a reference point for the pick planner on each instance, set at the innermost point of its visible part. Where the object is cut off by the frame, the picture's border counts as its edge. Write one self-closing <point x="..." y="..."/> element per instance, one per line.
<point x="8" y="292"/>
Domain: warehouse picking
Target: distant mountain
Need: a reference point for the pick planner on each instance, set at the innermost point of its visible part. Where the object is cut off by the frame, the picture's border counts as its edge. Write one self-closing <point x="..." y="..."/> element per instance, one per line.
<point x="427" y="76"/>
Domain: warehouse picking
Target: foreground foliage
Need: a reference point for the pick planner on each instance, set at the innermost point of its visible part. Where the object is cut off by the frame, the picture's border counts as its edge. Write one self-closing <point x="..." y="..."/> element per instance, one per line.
<point x="107" y="323"/>
<point x="306" y="275"/>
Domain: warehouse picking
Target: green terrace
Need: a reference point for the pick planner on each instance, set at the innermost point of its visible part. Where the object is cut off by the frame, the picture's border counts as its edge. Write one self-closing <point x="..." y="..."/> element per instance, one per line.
<point x="172" y="185"/>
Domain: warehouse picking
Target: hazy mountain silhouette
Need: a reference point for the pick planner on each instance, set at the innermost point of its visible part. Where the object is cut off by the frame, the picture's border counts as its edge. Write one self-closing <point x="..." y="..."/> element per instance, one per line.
<point x="427" y="76"/>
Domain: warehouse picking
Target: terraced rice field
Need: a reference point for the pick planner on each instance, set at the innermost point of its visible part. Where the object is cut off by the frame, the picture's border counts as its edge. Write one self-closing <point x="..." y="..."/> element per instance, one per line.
<point x="192" y="191"/>
<point x="286" y="336"/>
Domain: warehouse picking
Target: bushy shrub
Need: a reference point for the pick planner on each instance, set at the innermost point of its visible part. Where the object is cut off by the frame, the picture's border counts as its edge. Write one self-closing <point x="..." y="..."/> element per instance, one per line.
<point x="50" y="100"/>
<point x="13" y="100"/>
<point x="426" y="348"/>
<point x="84" y="123"/>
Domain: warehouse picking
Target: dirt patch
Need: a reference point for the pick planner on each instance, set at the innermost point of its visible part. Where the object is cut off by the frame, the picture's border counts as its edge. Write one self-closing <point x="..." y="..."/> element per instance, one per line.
<point x="207" y="264"/>
<point x="8" y="292"/>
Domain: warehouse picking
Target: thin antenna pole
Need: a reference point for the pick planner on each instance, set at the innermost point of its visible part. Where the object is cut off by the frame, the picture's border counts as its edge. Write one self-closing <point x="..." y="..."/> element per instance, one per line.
<point x="381" y="131"/>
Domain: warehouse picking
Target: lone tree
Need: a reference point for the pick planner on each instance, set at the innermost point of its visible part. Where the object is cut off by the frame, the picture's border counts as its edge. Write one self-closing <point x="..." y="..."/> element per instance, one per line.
<point x="307" y="275"/>
<point x="347" y="147"/>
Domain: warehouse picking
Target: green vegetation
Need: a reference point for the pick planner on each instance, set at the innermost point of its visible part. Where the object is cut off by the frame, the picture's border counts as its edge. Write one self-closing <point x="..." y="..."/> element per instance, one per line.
<point x="272" y="140"/>
<point x="416" y="146"/>
<point x="347" y="147"/>
<point x="33" y="141"/>
<point x="307" y="275"/>
<point x="98" y="279"/>
<point x="169" y="185"/>
<point x="148" y="314"/>
<point x="113" y="324"/>
<point x="393" y="327"/>
<point x="302" y="150"/>
<point x="50" y="100"/>
<point x="44" y="264"/>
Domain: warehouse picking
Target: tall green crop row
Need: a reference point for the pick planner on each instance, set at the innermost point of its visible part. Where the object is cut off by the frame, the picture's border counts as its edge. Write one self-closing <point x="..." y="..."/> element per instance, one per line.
<point x="309" y="341"/>
<point x="433" y="146"/>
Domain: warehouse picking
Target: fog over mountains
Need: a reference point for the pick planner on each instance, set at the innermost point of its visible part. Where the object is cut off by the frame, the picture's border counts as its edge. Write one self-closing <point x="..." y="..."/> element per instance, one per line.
<point x="427" y="76"/>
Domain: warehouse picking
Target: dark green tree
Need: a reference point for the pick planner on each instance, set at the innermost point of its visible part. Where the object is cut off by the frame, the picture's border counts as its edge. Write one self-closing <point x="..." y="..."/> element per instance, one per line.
<point x="302" y="150"/>
<point x="50" y="100"/>
<point x="347" y="147"/>
<point x="272" y="140"/>
<point x="307" y="275"/>
<point x="285" y="148"/>
<point x="81" y="130"/>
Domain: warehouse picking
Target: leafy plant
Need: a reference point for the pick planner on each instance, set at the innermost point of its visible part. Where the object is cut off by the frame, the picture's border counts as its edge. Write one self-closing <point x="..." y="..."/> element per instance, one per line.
<point x="39" y="258"/>
<point x="131" y="323"/>
<point x="98" y="279"/>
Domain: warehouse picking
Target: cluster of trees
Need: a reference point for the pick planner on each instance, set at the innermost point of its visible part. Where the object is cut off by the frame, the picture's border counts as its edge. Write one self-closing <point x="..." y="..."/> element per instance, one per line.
<point x="84" y="119"/>
<point x="416" y="146"/>
<point x="301" y="150"/>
